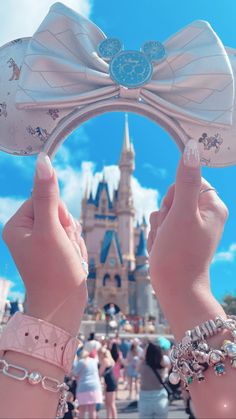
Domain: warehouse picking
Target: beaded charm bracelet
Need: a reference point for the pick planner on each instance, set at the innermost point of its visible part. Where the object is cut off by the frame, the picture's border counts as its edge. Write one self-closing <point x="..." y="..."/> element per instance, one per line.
<point x="34" y="377"/>
<point x="193" y="355"/>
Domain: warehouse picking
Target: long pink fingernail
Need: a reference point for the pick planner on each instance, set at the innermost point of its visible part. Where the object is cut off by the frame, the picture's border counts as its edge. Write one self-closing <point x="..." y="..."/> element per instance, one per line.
<point x="73" y="222"/>
<point x="44" y="167"/>
<point x="191" y="155"/>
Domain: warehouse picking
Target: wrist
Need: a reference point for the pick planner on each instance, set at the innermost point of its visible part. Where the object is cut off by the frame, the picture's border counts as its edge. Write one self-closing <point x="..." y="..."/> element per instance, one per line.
<point x="65" y="313"/>
<point x="190" y="307"/>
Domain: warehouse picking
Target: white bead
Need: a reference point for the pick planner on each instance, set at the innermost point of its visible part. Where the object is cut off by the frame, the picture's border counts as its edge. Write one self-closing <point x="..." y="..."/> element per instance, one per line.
<point x="215" y="358"/>
<point x="203" y="346"/>
<point x="34" y="377"/>
<point x="231" y="350"/>
<point x="174" y="378"/>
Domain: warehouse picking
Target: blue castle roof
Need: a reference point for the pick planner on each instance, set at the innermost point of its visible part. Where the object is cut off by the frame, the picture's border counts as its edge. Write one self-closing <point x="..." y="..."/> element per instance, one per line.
<point x="108" y="237"/>
<point x="142" y="246"/>
<point x="102" y="185"/>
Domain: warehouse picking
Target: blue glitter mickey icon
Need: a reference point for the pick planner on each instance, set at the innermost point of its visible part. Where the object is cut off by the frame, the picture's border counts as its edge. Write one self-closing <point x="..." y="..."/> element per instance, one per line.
<point x="131" y="68"/>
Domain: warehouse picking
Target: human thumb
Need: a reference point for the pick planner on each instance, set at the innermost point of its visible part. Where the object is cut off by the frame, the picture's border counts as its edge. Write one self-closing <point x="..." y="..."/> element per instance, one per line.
<point x="188" y="179"/>
<point x="45" y="193"/>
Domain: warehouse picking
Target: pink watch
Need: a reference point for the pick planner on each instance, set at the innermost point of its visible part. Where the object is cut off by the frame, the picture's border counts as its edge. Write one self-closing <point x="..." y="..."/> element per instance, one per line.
<point x="39" y="339"/>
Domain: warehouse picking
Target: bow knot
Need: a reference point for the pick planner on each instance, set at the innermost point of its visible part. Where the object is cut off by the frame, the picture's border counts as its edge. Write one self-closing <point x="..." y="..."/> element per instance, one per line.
<point x="191" y="80"/>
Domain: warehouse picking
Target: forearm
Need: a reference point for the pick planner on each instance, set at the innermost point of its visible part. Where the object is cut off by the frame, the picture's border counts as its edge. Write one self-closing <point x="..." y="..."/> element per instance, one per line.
<point x="19" y="399"/>
<point x="189" y="310"/>
<point x="32" y="401"/>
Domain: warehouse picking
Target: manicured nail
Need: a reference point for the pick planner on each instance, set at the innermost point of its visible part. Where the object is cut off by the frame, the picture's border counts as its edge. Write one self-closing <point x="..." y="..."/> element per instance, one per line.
<point x="79" y="227"/>
<point x="163" y="208"/>
<point x="191" y="154"/>
<point x="73" y="223"/>
<point x="44" y="167"/>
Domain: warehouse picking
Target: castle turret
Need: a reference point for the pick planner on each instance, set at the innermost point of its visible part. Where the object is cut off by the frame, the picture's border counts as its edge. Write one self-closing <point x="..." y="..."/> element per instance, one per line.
<point x="125" y="206"/>
<point x="144" y="292"/>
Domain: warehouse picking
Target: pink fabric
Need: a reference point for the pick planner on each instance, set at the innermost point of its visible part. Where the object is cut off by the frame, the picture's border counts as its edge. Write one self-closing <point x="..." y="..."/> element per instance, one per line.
<point x="89" y="397"/>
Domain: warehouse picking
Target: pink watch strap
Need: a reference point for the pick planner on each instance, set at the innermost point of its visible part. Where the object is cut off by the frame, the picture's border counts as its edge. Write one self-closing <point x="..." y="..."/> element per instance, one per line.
<point x="39" y="339"/>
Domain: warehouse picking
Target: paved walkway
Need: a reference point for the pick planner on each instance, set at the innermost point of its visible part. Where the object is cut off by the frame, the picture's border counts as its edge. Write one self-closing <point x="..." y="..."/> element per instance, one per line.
<point x="176" y="410"/>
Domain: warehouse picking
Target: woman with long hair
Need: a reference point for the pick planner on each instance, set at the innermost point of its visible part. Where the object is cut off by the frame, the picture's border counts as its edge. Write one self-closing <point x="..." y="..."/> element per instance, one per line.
<point x="117" y="358"/>
<point x="132" y="369"/>
<point x="153" y="398"/>
<point x="106" y="371"/>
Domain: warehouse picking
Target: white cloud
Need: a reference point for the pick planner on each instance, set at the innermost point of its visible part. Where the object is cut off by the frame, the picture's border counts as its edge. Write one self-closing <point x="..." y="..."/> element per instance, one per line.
<point x="226" y="256"/>
<point x="8" y="206"/>
<point x="73" y="183"/>
<point x="21" y="18"/>
<point x="16" y="295"/>
<point x="159" y="172"/>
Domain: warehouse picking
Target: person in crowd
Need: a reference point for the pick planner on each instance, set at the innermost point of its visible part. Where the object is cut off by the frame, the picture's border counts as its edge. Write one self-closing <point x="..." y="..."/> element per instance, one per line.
<point x="106" y="371"/>
<point x="153" y="397"/>
<point x="117" y="358"/>
<point x="71" y="413"/>
<point x="92" y="346"/>
<point x="183" y="239"/>
<point x="88" y="389"/>
<point x="132" y="370"/>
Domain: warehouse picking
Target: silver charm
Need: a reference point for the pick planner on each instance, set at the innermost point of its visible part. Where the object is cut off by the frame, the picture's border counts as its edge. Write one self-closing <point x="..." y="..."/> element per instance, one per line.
<point x="174" y="378"/>
<point x="34" y="377"/>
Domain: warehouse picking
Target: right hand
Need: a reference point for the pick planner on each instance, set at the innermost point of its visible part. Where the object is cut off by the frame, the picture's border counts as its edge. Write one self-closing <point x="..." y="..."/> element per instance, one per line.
<point x="45" y="243"/>
<point x="184" y="236"/>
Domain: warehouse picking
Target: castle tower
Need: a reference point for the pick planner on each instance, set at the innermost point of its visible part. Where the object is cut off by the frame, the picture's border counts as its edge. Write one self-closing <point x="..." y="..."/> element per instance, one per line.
<point x="144" y="292"/>
<point x="125" y="206"/>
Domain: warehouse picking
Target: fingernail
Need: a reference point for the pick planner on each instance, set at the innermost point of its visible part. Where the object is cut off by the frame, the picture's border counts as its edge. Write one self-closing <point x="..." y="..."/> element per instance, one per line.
<point x="44" y="167"/>
<point x="191" y="154"/>
<point x="163" y="208"/>
<point x="73" y="222"/>
<point x="79" y="227"/>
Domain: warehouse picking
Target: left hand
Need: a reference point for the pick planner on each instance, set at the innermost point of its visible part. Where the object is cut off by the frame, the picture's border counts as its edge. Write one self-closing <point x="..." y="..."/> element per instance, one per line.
<point x="45" y="242"/>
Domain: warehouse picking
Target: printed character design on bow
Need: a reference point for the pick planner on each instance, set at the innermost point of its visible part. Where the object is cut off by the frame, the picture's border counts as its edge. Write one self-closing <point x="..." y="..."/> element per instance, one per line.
<point x="15" y="69"/>
<point x="211" y="141"/>
<point x="3" y="109"/>
<point x="38" y="132"/>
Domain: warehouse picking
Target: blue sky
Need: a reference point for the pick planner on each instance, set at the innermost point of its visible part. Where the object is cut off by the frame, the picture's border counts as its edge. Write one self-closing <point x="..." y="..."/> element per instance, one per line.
<point x="98" y="142"/>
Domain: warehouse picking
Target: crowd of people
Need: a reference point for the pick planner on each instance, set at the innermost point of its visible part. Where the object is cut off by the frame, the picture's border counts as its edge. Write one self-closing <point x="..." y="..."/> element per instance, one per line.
<point x="108" y="369"/>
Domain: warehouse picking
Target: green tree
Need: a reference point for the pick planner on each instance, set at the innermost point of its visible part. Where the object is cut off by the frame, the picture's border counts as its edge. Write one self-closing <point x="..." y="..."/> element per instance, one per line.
<point x="229" y="304"/>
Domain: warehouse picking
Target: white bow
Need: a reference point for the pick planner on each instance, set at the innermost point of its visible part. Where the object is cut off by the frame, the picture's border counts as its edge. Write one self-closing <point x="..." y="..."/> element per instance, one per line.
<point x="61" y="68"/>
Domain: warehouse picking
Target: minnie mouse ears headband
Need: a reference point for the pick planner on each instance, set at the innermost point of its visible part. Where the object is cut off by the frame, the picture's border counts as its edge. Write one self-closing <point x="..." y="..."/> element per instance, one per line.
<point x="69" y="71"/>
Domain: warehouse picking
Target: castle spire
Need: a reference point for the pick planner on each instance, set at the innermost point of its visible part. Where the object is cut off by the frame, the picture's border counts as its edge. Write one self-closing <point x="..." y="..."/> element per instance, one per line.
<point x="126" y="144"/>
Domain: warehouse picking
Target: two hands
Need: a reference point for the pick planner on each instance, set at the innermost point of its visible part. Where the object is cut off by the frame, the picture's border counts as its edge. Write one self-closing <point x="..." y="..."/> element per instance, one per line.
<point x="44" y="241"/>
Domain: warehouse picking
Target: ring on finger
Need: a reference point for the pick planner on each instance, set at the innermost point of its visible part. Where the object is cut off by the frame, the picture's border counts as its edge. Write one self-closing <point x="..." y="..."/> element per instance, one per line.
<point x="208" y="189"/>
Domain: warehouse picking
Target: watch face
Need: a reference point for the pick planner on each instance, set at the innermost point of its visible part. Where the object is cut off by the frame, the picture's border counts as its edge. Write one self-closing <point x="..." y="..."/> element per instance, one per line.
<point x="112" y="262"/>
<point x="154" y="50"/>
<point x="109" y="47"/>
<point x="131" y="68"/>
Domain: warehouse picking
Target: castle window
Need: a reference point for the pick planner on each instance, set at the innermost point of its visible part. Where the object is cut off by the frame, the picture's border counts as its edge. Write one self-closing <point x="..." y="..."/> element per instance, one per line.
<point x="117" y="281"/>
<point x="106" y="279"/>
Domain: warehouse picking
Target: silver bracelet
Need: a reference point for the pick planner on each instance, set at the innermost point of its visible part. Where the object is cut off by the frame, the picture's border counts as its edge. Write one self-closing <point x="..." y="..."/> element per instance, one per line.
<point x="193" y="355"/>
<point x="35" y="377"/>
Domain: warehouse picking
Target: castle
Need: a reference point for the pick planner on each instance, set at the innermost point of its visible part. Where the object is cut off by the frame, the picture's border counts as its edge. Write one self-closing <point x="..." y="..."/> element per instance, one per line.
<point x="118" y="258"/>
